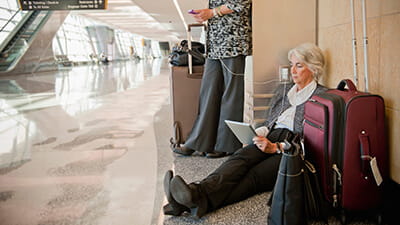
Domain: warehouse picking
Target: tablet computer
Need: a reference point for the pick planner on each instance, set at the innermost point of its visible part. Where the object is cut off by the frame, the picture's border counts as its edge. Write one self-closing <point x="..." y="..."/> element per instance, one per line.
<point x="243" y="131"/>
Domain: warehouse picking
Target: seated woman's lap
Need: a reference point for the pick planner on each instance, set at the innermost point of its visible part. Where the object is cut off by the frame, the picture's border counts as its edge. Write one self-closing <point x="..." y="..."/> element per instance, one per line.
<point x="247" y="172"/>
<point x="230" y="172"/>
<point x="218" y="185"/>
<point x="260" y="178"/>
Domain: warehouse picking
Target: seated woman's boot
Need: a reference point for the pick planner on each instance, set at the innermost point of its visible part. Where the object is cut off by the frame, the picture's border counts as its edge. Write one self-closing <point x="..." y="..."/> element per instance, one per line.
<point x="173" y="208"/>
<point x="188" y="195"/>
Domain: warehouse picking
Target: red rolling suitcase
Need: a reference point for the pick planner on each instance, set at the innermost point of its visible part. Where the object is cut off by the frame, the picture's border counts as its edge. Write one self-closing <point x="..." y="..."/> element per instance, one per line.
<point x="344" y="132"/>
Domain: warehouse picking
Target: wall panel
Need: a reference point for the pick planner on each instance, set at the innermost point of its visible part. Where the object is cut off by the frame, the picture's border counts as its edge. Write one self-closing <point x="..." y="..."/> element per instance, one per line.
<point x="383" y="23"/>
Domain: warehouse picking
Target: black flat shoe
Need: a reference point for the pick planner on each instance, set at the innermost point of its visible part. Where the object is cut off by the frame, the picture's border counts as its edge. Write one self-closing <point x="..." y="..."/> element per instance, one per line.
<point x="173" y="208"/>
<point x="216" y="154"/>
<point x="183" y="150"/>
<point x="189" y="196"/>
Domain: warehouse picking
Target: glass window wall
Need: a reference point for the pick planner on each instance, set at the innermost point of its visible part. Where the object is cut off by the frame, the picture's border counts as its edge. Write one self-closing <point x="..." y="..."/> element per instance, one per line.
<point x="72" y="40"/>
<point x="82" y="40"/>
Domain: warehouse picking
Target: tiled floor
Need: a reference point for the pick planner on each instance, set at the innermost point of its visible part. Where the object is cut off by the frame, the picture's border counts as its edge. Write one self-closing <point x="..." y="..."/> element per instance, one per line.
<point x="79" y="146"/>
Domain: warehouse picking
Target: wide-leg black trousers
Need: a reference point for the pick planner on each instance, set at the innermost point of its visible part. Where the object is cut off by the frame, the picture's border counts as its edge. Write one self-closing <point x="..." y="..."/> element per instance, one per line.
<point x="221" y="98"/>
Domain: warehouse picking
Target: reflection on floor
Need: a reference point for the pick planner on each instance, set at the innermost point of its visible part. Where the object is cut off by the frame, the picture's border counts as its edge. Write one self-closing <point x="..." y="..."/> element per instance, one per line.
<point x="79" y="146"/>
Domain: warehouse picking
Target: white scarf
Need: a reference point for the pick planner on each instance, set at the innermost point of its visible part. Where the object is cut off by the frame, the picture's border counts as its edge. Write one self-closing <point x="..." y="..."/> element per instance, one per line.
<point x="286" y="119"/>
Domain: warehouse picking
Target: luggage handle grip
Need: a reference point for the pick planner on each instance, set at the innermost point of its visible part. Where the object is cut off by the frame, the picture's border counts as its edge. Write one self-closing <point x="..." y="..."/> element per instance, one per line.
<point x="365" y="153"/>
<point x="190" y="43"/>
<point x="195" y="25"/>
<point x="349" y="84"/>
<point x="195" y="75"/>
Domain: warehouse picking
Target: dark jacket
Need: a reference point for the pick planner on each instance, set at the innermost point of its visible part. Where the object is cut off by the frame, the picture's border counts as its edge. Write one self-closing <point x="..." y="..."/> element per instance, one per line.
<point x="277" y="106"/>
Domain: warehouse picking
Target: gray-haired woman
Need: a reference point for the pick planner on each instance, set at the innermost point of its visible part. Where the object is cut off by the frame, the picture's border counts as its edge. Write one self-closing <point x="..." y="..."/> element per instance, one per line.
<point x="253" y="169"/>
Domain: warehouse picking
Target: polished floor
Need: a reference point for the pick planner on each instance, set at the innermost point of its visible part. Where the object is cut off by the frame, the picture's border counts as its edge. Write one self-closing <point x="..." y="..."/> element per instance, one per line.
<point x="79" y="146"/>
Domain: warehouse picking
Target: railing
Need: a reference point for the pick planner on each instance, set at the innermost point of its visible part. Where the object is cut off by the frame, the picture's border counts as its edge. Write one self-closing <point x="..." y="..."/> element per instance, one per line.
<point x="9" y="20"/>
<point x="24" y="17"/>
<point x="21" y="39"/>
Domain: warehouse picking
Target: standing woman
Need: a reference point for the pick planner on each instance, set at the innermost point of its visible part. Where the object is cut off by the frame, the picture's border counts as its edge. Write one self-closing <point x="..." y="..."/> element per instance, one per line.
<point x="222" y="87"/>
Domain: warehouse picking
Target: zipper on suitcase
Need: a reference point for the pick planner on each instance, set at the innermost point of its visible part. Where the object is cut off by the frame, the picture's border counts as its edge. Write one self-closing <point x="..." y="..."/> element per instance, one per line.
<point x="321" y="127"/>
<point x="338" y="116"/>
<point x="325" y="129"/>
<point x="337" y="143"/>
<point x="337" y="181"/>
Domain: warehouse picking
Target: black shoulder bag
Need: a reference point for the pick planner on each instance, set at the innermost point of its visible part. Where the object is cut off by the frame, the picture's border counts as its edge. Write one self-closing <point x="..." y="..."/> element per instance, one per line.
<point x="296" y="198"/>
<point x="179" y="54"/>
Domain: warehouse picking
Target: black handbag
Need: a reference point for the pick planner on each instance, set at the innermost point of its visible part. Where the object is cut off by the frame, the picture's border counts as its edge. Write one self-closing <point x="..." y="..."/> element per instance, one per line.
<point x="179" y="54"/>
<point x="296" y="198"/>
<point x="287" y="199"/>
<point x="314" y="202"/>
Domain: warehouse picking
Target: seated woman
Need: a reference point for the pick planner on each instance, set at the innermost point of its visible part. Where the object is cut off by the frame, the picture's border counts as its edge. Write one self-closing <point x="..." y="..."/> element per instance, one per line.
<point x="253" y="169"/>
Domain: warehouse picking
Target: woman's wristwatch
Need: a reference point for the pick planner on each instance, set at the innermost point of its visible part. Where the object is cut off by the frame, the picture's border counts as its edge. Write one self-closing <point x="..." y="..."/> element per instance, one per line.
<point x="214" y="10"/>
<point x="278" y="148"/>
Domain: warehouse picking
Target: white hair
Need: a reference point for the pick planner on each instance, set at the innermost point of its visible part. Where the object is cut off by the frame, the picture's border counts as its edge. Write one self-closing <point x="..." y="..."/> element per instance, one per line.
<point x="312" y="56"/>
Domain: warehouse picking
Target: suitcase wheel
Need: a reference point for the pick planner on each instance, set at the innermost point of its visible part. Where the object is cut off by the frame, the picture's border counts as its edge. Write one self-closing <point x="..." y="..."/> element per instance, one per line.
<point x="379" y="219"/>
<point x="176" y="141"/>
<point x="342" y="217"/>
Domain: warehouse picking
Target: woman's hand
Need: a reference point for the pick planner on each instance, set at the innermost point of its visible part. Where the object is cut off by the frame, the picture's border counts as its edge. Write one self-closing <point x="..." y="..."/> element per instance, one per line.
<point x="202" y="15"/>
<point x="264" y="144"/>
<point x="262" y="131"/>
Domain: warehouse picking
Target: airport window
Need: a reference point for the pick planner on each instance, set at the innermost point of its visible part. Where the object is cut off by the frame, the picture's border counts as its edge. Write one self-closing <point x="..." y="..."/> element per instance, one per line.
<point x="83" y="40"/>
<point x="72" y="40"/>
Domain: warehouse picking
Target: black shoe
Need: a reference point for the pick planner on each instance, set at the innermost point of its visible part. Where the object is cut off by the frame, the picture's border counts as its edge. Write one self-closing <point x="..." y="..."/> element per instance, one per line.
<point x="172" y="208"/>
<point x="189" y="196"/>
<point x="216" y="154"/>
<point x="183" y="150"/>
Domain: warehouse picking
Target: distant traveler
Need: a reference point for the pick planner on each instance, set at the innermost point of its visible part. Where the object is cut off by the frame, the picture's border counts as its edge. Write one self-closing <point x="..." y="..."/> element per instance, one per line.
<point x="222" y="87"/>
<point x="253" y="169"/>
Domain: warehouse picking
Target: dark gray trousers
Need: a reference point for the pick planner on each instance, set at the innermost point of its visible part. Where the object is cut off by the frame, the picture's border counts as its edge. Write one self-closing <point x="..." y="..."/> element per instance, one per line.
<point x="247" y="172"/>
<point x="221" y="98"/>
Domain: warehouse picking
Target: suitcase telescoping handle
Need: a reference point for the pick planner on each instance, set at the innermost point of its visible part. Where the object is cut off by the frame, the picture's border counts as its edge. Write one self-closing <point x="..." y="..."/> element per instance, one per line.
<point x="348" y="83"/>
<point x="189" y="38"/>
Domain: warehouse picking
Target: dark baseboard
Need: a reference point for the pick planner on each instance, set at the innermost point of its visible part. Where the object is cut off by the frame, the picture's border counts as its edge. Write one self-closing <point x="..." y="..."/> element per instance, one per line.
<point x="391" y="202"/>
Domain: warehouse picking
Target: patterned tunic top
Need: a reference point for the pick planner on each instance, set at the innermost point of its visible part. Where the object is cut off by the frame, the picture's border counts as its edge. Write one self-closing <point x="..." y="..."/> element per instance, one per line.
<point x="229" y="35"/>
